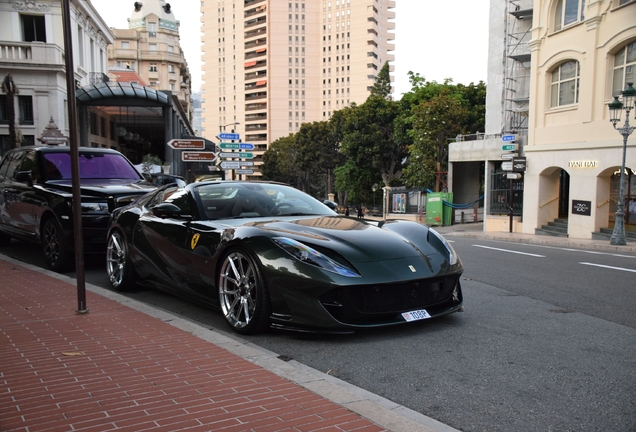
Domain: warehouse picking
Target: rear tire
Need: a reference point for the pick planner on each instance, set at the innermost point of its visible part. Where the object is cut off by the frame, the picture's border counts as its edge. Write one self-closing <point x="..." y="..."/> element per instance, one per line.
<point x="243" y="296"/>
<point x="55" y="250"/>
<point x="119" y="267"/>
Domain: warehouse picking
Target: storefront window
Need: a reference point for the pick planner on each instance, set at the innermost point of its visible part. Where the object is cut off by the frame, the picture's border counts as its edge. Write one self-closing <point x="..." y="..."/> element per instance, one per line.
<point x="630" y="196"/>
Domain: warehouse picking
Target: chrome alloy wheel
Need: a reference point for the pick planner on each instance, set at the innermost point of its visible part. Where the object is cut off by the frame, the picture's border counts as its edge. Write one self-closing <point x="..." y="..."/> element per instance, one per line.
<point x="238" y="289"/>
<point x="116" y="259"/>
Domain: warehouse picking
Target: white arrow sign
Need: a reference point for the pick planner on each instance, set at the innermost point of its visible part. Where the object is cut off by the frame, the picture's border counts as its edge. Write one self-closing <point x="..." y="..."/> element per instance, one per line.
<point x="230" y="165"/>
<point x="506" y="166"/>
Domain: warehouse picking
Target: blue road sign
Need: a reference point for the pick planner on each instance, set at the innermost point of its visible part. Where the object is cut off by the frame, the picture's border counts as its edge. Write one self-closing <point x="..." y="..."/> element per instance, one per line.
<point x="229" y="136"/>
<point x="509" y="138"/>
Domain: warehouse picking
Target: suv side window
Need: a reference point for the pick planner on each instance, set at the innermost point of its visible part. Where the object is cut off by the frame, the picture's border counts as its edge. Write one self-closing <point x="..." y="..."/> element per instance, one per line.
<point x="12" y="161"/>
<point x="29" y="163"/>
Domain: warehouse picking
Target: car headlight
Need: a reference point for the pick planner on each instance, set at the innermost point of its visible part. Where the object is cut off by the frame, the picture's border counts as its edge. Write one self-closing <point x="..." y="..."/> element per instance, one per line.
<point x="311" y="256"/>
<point x="94" y="207"/>
<point x="452" y="255"/>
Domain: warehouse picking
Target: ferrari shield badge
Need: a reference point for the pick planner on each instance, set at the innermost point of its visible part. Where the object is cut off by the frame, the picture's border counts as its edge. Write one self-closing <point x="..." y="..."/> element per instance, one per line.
<point x="411" y="267"/>
<point x="195" y="239"/>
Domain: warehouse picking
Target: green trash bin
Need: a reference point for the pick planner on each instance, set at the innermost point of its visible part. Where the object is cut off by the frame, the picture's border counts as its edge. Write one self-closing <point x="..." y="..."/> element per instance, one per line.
<point x="436" y="212"/>
<point x="447" y="211"/>
<point x="434" y="209"/>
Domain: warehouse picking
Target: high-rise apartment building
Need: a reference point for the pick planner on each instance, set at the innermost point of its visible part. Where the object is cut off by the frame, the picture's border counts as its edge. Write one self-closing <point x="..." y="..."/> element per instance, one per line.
<point x="150" y="46"/>
<point x="271" y="65"/>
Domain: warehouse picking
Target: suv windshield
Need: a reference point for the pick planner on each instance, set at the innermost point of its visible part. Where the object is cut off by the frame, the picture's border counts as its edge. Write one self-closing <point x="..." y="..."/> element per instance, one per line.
<point x="92" y="166"/>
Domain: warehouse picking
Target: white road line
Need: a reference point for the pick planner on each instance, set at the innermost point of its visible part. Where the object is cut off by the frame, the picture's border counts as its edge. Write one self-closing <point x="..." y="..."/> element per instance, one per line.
<point x="608" y="267"/>
<point x="575" y="250"/>
<point x="511" y="251"/>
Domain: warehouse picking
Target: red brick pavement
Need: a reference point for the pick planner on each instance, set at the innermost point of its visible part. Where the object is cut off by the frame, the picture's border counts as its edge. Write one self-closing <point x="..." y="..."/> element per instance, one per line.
<point x="118" y="369"/>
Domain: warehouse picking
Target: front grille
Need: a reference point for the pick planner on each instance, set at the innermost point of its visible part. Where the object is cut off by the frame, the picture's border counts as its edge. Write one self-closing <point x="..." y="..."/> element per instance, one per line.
<point x="391" y="298"/>
<point x="401" y="296"/>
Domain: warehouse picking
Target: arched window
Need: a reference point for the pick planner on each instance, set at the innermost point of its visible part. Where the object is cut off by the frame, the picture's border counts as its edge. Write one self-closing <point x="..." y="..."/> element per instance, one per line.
<point x="568" y="12"/>
<point x="565" y="84"/>
<point x="624" y="68"/>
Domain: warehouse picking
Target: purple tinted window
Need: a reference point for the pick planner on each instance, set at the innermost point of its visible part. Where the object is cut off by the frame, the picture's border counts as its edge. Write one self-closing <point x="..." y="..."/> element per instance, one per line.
<point x="91" y="165"/>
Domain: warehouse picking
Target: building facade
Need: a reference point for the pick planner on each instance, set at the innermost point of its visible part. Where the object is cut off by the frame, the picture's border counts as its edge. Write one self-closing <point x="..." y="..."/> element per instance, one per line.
<point x="150" y="47"/>
<point x="271" y="65"/>
<point x="573" y="57"/>
<point x="583" y="54"/>
<point x="32" y="51"/>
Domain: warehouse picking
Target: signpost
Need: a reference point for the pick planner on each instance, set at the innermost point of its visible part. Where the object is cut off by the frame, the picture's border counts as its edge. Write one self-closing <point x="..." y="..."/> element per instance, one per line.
<point x="509" y="147"/>
<point x="245" y="171"/>
<point x="184" y="144"/>
<point x="509" y="138"/>
<point x="236" y="146"/>
<point x="229" y="136"/>
<point x="506" y="166"/>
<point x="242" y="155"/>
<point x="513" y="176"/>
<point x="230" y="165"/>
<point x="507" y="156"/>
<point x="189" y="156"/>
<point x="519" y="164"/>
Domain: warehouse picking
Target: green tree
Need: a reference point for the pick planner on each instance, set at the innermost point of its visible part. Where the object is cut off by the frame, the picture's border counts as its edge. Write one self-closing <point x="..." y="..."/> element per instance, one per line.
<point x="434" y="122"/>
<point x="318" y="147"/>
<point x="382" y="87"/>
<point x="279" y="162"/>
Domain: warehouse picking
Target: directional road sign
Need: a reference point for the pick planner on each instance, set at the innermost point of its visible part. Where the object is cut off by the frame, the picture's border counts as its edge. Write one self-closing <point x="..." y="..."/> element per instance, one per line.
<point x="242" y="155"/>
<point x="246" y="163"/>
<point x="509" y="147"/>
<point x="230" y="165"/>
<point x="229" y="136"/>
<point x="189" y="156"/>
<point x="519" y="164"/>
<point x="245" y="171"/>
<point x="508" y="155"/>
<point x="513" y="176"/>
<point x="236" y="146"/>
<point x="506" y="166"/>
<point x="509" y="138"/>
<point x="187" y="144"/>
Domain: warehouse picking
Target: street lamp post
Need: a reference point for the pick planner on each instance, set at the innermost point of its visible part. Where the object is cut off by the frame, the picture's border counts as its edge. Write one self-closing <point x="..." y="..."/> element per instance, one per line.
<point x="616" y="107"/>
<point x="221" y="129"/>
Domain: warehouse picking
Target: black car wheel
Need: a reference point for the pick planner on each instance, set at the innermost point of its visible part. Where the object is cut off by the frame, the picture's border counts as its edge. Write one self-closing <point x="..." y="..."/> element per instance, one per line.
<point x="118" y="266"/>
<point x="55" y="250"/>
<point x="243" y="295"/>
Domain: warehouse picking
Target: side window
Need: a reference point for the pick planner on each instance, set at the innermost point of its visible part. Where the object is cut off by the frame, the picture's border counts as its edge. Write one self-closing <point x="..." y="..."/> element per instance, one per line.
<point x="29" y="163"/>
<point x="13" y="165"/>
<point x="182" y="199"/>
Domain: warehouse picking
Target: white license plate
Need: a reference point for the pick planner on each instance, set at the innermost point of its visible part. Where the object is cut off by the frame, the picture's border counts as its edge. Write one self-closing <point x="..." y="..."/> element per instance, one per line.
<point x="416" y="315"/>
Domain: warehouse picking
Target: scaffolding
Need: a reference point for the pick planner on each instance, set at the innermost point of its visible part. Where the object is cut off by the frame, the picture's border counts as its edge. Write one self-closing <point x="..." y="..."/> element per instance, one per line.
<point x="518" y="27"/>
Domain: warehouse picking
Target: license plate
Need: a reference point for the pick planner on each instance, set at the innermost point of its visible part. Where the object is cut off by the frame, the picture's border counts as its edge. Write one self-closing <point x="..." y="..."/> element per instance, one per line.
<point x="416" y="315"/>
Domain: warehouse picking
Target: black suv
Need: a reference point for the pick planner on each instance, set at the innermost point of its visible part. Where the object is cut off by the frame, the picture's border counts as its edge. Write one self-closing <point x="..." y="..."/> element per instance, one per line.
<point x="36" y="197"/>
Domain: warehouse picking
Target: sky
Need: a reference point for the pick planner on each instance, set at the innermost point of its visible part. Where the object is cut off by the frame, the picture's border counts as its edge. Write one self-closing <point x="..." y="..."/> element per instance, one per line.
<point x="436" y="39"/>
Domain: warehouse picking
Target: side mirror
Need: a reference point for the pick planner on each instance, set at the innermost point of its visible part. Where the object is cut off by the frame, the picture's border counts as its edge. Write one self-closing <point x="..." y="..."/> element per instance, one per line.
<point x="169" y="210"/>
<point x="24" y="177"/>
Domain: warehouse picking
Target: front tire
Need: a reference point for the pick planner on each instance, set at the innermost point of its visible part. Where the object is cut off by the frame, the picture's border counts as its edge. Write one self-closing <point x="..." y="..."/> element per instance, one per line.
<point x="243" y="295"/>
<point x="55" y="250"/>
<point x="118" y="265"/>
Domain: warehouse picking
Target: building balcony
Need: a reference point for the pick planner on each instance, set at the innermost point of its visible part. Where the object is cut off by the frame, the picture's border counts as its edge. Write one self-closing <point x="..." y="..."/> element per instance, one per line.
<point x="36" y="54"/>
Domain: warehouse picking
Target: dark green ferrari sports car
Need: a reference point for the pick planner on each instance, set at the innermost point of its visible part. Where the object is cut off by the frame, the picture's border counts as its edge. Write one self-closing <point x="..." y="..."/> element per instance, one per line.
<point x="271" y="256"/>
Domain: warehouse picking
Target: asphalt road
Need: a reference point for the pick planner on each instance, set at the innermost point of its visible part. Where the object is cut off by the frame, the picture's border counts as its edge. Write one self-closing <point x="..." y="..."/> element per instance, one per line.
<point x="547" y="342"/>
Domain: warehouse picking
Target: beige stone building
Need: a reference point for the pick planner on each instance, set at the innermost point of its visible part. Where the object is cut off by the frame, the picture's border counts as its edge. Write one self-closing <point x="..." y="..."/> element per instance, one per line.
<point x="150" y="46"/>
<point x="583" y="54"/>
<point x="271" y="65"/>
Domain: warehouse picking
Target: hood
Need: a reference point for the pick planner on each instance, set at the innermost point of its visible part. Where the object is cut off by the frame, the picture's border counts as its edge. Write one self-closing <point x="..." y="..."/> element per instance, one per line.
<point x="105" y="187"/>
<point x="356" y="240"/>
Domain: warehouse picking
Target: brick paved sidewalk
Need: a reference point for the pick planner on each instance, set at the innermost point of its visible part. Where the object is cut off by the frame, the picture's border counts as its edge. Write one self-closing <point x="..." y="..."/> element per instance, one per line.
<point x="116" y="368"/>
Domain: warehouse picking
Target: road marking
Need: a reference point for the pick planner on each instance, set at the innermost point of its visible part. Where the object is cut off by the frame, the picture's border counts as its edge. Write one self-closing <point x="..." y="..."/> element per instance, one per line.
<point x="575" y="250"/>
<point x="608" y="267"/>
<point x="511" y="251"/>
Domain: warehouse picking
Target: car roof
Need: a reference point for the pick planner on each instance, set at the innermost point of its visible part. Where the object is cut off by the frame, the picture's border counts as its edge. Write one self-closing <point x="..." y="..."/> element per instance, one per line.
<point x="65" y="149"/>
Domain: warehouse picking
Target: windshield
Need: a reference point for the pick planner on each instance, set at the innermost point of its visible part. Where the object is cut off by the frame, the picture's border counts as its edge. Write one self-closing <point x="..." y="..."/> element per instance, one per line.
<point x="91" y="165"/>
<point x="238" y="200"/>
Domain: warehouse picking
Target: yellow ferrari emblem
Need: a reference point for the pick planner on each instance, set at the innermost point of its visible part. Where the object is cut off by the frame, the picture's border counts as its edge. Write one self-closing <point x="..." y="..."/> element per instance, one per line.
<point x="195" y="239"/>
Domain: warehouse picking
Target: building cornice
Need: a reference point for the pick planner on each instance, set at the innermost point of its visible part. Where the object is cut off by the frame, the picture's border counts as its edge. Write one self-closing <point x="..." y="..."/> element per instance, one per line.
<point x="30" y="6"/>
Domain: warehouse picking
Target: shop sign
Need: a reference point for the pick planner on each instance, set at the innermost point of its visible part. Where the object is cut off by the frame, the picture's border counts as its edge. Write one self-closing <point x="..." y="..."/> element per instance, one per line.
<point x="582" y="208"/>
<point x="583" y="164"/>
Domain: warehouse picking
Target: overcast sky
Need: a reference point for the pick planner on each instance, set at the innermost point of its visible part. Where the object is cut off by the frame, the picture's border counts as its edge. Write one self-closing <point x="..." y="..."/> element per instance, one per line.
<point x="437" y="39"/>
